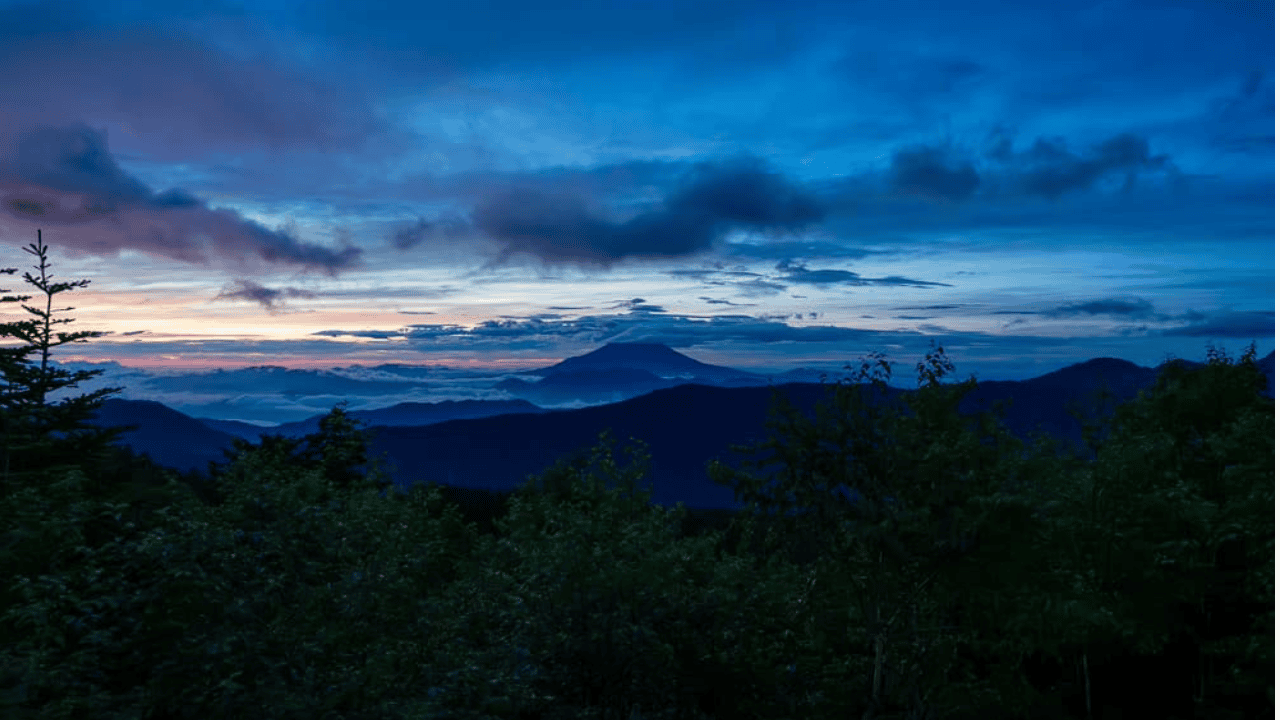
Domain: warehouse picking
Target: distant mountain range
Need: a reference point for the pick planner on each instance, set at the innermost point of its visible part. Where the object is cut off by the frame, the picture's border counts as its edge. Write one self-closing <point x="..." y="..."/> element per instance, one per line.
<point x="268" y="395"/>
<point x="410" y="413"/>
<point x="498" y="444"/>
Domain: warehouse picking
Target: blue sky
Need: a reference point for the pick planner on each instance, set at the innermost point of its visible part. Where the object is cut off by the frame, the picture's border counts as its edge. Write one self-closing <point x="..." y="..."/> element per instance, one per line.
<point x="757" y="184"/>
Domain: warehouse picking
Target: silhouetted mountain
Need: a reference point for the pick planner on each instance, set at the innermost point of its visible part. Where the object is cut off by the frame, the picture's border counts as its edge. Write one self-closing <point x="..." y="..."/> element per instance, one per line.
<point x="409" y="413"/>
<point x="805" y="375"/>
<point x="619" y="371"/>
<point x="239" y="428"/>
<point x="685" y="427"/>
<point x="654" y="358"/>
<point x="169" y="437"/>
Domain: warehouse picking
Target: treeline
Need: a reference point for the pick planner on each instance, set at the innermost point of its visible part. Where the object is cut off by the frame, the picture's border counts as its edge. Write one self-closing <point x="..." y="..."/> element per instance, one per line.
<point x="894" y="561"/>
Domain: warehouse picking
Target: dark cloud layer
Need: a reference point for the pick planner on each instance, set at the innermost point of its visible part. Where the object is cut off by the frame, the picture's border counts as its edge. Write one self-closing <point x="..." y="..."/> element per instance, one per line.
<point x="66" y="176"/>
<point x="1109" y="306"/>
<point x="1048" y="169"/>
<point x="797" y="273"/>
<point x="713" y="200"/>
<point x="1259" y="324"/>
<point x="444" y="228"/>
<point x="926" y="171"/>
<point x="66" y="62"/>
<point x="596" y="216"/>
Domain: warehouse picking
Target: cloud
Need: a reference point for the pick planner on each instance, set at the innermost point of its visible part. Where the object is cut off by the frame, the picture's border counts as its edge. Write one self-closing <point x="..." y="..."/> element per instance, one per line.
<point x="758" y="287"/>
<point x="64" y="62"/>
<point x="717" y="269"/>
<point x="269" y="298"/>
<point x="1049" y="170"/>
<point x="797" y="273"/>
<point x="1250" y="324"/>
<point x="784" y="249"/>
<point x="636" y="325"/>
<point x="720" y="301"/>
<point x="443" y="228"/>
<point x="1110" y="306"/>
<point x="1191" y="323"/>
<point x="373" y="334"/>
<point x="67" y="176"/>
<point x="714" y="199"/>
<point x="928" y="172"/>
<point x="435" y="42"/>
<point x="635" y="305"/>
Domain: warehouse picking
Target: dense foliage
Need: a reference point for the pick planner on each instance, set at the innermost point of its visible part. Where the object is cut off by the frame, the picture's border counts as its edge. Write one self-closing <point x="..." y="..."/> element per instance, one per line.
<point x="895" y="560"/>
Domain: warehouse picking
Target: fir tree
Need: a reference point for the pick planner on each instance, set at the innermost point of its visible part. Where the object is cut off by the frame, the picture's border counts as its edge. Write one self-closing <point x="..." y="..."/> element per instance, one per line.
<point x="39" y="435"/>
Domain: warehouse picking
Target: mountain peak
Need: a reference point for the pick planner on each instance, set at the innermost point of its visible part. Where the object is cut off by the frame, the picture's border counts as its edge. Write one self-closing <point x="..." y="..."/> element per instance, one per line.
<point x="654" y="358"/>
<point x="631" y="350"/>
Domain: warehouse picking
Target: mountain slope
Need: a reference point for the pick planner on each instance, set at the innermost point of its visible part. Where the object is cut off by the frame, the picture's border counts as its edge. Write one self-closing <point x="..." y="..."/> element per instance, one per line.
<point x="169" y="437"/>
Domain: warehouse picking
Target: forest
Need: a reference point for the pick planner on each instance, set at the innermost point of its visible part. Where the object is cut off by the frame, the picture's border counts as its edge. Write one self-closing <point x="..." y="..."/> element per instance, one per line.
<point x="895" y="560"/>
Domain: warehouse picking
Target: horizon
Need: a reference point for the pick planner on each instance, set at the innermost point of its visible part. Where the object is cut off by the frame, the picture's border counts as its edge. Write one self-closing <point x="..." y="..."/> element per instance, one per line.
<point x="897" y="378"/>
<point x="755" y="185"/>
<point x="266" y="394"/>
<point x="524" y="369"/>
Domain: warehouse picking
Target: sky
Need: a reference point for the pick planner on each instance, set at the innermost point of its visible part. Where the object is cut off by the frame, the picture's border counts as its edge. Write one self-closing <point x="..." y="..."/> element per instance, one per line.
<point x="757" y="184"/>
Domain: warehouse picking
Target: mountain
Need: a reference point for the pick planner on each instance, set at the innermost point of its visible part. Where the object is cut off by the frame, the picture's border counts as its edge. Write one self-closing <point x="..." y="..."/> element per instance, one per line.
<point x="239" y="428"/>
<point x="654" y="358"/>
<point x="407" y="413"/>
<point x="169" y="437"/>
<point x="619" y="371"/>
<point x="685" y="427"/>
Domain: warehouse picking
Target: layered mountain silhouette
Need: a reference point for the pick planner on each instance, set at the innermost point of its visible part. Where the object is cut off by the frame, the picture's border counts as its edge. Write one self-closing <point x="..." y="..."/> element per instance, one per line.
<point x="685" y="426"/>
<point x="408" y="413"/>
<point x="171" y="438"/>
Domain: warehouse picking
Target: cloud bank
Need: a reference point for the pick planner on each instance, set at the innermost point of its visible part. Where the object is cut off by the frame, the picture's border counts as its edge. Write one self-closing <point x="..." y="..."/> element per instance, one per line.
<point x="66" y="176"/>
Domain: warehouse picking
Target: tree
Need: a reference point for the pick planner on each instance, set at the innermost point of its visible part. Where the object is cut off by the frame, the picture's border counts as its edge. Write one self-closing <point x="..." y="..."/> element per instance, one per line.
<point x="1168" y="544"/>
<point x="877" y="492"/>
<point x="38" y="435"/>
<point x="589" y="604"/>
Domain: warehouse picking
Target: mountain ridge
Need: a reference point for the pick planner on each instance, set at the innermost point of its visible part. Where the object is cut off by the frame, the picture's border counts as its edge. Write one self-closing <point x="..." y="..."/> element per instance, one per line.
<point x="685" y="425"/>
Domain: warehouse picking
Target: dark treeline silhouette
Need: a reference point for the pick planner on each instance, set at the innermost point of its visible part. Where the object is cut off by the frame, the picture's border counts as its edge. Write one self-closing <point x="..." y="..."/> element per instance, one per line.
<point x="893" y="560"/>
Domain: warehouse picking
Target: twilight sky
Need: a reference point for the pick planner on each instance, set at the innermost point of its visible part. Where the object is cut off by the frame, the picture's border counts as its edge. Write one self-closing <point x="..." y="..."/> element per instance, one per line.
<point x="755" y="183"/>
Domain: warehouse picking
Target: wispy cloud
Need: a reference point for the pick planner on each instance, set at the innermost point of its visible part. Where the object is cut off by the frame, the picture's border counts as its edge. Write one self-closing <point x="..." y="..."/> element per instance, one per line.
<point x="270" y="299"/>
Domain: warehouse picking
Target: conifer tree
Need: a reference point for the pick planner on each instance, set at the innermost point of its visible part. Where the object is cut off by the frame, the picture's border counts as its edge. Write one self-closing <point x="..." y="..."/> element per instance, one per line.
<point x="39" y="435"/>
